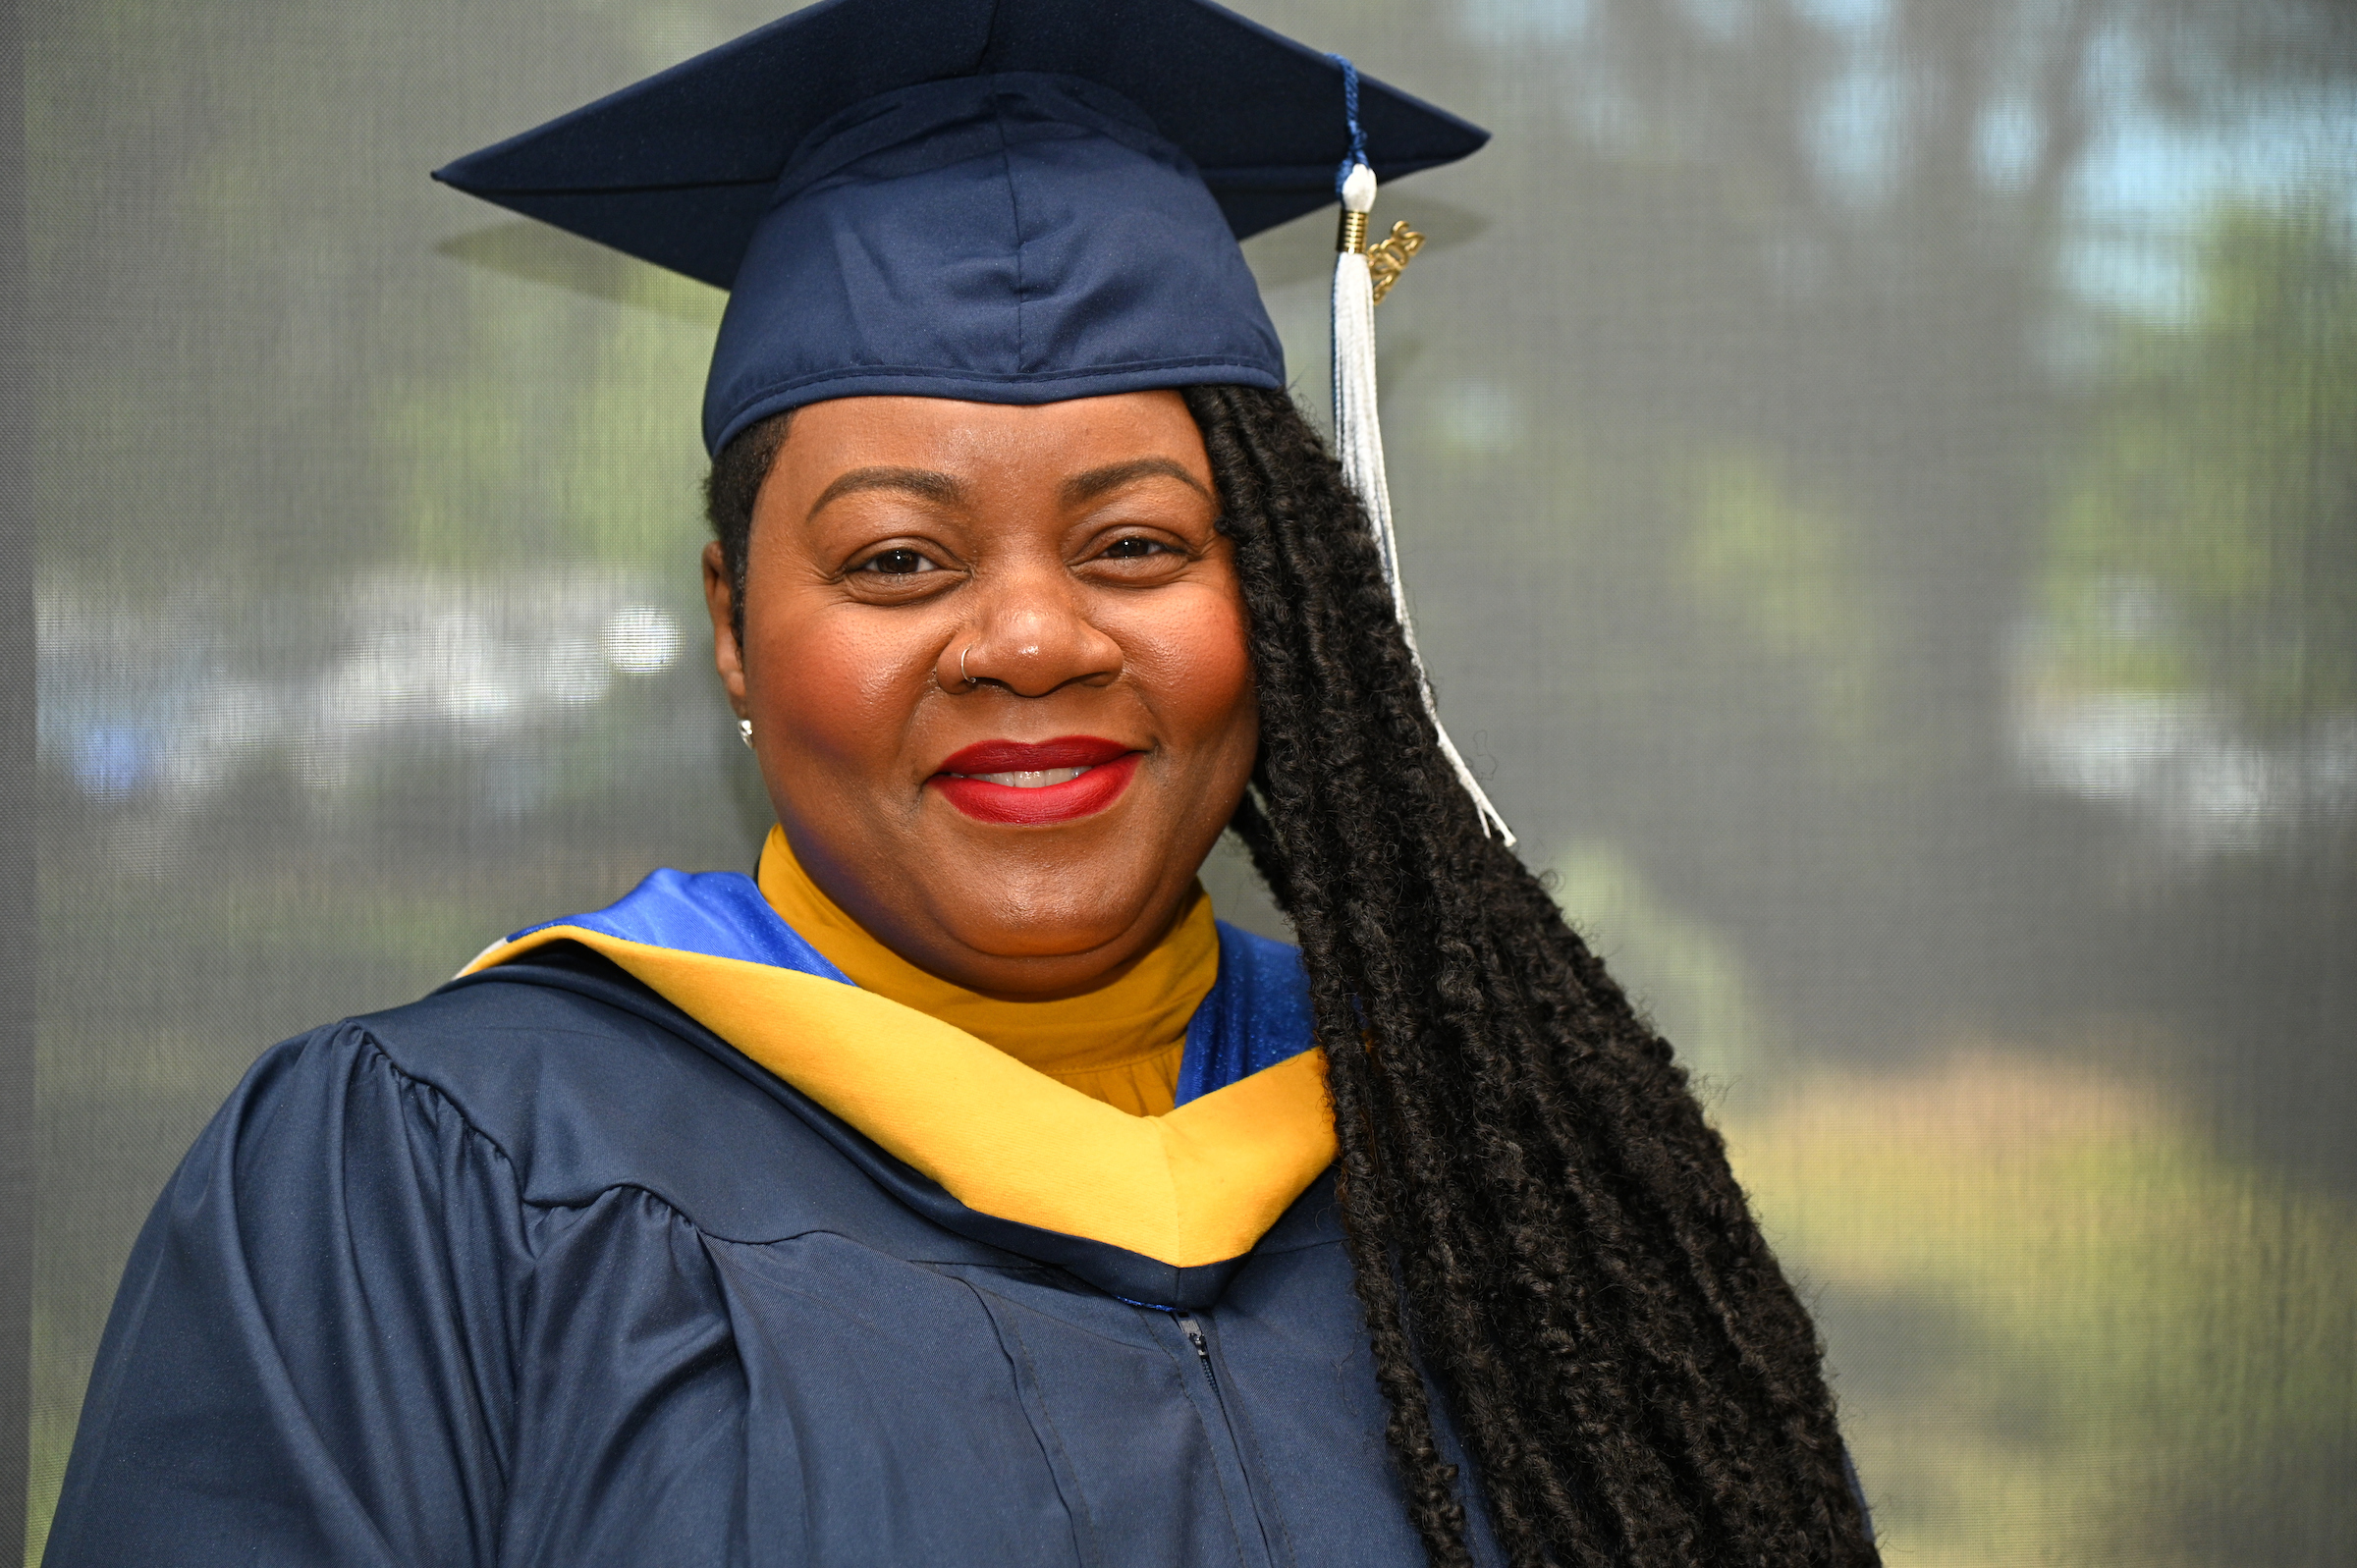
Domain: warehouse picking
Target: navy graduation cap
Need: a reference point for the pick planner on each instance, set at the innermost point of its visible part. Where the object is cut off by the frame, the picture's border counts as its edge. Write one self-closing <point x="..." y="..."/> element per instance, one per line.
<point x="1000" y="200"/>
<point x="997" y="200"/>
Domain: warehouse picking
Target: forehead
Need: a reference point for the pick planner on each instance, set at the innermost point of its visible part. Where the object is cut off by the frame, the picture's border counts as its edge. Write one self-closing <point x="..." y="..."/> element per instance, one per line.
<point x="990" y="445"/>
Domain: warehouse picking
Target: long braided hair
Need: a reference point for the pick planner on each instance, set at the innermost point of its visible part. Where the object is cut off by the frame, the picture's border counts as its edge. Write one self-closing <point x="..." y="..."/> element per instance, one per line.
<point x="1543" y="1227"/>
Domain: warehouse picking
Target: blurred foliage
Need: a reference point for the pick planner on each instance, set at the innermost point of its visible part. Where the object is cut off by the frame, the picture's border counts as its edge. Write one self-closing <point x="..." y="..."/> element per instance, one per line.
<point x="1686" y="976"/>
<point x="604" y="467"/>
<point x="1787" y="570"/>
<point x="2206" y="539"/>
<point x="2065" y="1327"/>
<point x="2067" y="1330"/>
<point x="263" y="222"/>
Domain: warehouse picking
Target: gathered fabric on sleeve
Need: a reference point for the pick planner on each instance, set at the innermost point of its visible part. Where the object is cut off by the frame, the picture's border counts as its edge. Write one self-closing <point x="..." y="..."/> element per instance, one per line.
<point x="337" y="1320"/>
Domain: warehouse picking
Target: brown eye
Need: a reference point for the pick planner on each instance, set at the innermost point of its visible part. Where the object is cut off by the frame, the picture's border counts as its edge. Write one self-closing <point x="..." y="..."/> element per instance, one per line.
<point x="897" y="564"/>
<point x="1133" y="549"/>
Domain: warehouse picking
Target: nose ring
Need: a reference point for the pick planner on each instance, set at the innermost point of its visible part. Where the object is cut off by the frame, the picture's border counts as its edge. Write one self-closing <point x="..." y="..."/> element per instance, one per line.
<point x="963" y="678"/>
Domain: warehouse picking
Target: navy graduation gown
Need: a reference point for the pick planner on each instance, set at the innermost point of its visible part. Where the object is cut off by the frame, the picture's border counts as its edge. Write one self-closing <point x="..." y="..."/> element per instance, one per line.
<point x="538" y="1270"/>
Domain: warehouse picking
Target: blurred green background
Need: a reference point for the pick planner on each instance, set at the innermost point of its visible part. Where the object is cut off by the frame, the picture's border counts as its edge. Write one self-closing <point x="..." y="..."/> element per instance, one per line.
<point x="1879" y="484"/>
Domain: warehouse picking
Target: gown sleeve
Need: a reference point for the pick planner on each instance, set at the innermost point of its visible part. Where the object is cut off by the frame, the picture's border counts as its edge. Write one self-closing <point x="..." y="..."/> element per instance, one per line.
<point x="312" y="1356"/>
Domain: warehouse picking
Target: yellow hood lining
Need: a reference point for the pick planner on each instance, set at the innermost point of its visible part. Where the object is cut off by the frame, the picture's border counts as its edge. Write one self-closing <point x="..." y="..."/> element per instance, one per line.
<point x="1198" y="1185"/>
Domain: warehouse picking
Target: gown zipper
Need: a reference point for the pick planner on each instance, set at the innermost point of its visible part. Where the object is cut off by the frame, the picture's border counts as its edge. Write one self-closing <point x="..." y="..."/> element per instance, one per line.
<point x="1195" y="1336"/>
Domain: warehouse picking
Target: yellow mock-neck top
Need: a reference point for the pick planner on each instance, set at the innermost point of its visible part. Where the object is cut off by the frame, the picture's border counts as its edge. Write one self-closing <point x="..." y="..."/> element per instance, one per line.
<point x="1120" y="1043"/>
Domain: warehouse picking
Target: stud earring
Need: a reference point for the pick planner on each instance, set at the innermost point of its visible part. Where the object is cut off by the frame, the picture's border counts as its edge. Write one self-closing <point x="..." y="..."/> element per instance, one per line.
<point x="745" y="732"/>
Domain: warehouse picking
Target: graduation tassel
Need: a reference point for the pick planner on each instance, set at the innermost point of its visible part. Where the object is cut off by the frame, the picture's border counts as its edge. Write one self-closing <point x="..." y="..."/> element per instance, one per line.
<point x="1357" y="428"/>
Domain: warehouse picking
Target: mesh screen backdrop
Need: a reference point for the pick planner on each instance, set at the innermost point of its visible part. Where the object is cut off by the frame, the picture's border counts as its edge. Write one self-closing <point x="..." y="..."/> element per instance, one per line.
<point x="1878" y="481"/>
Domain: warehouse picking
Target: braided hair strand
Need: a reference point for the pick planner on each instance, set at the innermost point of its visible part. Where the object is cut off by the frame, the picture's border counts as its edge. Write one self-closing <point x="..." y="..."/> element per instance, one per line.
<point x="1561" y="1280"/>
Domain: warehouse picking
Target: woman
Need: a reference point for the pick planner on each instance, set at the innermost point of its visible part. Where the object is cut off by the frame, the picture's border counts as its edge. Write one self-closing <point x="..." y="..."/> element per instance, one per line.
<point x="958" y="1189"/>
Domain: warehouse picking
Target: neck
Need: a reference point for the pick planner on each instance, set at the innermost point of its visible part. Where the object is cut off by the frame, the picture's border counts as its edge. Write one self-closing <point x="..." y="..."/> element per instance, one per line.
<point x="1119" y="1040"/>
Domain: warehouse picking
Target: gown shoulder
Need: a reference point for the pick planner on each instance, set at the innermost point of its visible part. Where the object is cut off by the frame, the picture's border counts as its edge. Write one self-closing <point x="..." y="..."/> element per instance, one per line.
<point x="587" y="1081"/>
<point x="415" y="1243"/>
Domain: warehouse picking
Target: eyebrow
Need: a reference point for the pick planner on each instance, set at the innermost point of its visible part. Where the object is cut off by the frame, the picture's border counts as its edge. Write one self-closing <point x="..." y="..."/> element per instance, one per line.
<point x="923" y="482"/>
<point x="1097" y="481"/>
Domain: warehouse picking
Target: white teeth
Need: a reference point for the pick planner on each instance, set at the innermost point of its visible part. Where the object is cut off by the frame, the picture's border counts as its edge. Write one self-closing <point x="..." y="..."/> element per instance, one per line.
<point x="1038" y="779"/>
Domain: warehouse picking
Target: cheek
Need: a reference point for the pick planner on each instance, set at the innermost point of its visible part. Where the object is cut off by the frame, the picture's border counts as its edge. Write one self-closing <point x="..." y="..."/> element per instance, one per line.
<point x="1196" y="669"/>
<point x="833" y="689"/>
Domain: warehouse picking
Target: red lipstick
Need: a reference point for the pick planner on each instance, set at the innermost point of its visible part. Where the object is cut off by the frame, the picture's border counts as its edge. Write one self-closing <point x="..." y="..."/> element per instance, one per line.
<point x="1032" y="783"/>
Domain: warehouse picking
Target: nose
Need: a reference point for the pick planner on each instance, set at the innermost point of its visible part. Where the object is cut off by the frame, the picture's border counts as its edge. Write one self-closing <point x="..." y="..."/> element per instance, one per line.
<point x="1032" y="636"/>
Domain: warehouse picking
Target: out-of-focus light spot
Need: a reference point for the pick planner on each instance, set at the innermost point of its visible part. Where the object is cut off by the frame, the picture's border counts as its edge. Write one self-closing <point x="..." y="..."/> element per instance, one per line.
<point x="111" y="762"/>
<point x="1845" y="16"/>
<point x="2006" y="145"/>
<point x="641" y="639"/>
<point x="2116" y="745"/>
<point x="2180" y="765"/>
<point x="1480" y="418"/>
<point x="411" y="670"/>
<point x="1858" y="131"/>
<point x="479" y="699"/>
<point x="575" y="674"/>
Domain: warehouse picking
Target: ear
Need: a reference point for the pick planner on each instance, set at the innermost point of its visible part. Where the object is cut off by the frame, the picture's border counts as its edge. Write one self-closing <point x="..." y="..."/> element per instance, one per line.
<point x="720" y="600"/>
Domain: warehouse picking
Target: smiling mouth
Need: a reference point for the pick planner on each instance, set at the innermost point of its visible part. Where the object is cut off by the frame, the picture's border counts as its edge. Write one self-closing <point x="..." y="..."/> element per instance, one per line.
<point x="1034" y="784"/>
<point x="1040" y="779"/>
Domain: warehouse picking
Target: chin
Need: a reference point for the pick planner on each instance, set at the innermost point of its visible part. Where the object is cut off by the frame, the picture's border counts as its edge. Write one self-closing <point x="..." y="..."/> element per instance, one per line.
<point x="1062" y="907"/>
<point x="1054" y="934"/>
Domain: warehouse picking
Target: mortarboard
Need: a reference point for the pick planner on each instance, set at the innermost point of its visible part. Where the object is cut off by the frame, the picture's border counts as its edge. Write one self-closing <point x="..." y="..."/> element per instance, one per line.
<point x="996" y="200"/>
<point x="1003" y="201"/>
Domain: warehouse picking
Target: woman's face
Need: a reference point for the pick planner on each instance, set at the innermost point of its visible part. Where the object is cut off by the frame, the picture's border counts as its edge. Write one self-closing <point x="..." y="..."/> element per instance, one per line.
<point x="996" y="667"/>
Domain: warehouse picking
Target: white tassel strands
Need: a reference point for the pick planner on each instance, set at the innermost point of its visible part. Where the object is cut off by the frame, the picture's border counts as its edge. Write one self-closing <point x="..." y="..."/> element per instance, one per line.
<point x="1358" y="442"/>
